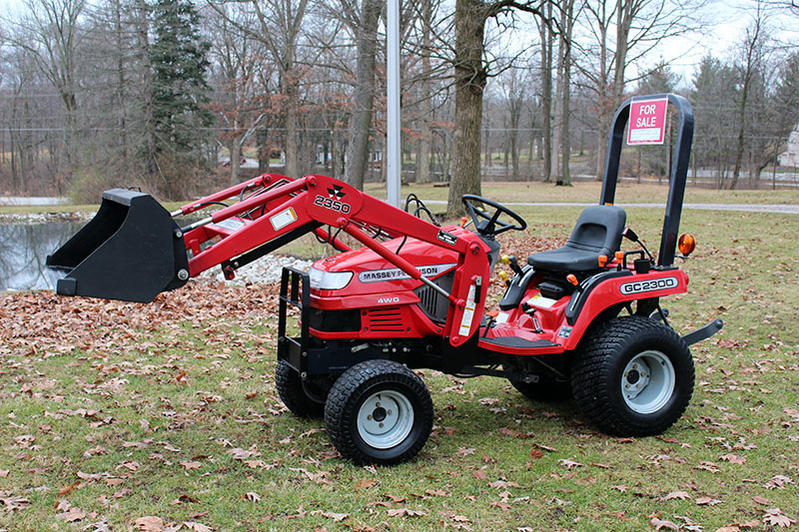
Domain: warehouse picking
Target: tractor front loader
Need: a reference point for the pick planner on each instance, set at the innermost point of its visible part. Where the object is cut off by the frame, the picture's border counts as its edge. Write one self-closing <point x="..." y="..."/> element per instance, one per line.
<point x="583" y="320"/>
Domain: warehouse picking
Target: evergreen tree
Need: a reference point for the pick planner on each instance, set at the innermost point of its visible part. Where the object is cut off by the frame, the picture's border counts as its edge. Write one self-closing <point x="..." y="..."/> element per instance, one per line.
<point x="178" y="58"/>
<point x="659" y="80"/>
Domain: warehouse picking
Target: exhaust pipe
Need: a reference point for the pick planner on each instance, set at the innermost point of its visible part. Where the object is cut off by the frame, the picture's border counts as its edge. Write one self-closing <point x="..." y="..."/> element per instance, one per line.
<point x="131" y="250"/>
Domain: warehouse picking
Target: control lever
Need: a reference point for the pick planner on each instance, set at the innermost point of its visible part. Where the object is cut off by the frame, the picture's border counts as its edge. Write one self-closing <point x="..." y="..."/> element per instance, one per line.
<point x="530" y="311"/>
<point x="511" y="261"/>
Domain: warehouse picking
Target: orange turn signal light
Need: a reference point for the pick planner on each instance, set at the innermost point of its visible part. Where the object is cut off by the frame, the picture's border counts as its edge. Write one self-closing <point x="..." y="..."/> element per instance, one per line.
<point x="602" y="260"/>
<point x="686" y="244"/>
<point x="619" y="255"/>
<point x="572" y="279"/>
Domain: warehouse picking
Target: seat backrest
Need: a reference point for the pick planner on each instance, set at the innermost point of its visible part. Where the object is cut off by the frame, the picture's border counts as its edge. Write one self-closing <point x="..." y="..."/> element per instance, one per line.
<point x="599" y="228"/>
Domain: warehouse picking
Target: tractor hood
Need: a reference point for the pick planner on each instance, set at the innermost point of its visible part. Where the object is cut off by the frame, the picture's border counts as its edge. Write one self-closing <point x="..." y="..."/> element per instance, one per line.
<point x="362" y="271"/>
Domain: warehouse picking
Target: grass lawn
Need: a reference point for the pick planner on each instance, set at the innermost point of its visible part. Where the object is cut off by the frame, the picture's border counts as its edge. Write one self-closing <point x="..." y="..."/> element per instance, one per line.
<point x="588" y="192"/>
<point x="111" y="412"/>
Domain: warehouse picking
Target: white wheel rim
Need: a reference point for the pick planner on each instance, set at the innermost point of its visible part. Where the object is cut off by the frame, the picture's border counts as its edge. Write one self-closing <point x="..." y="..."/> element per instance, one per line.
<point x="647" y="382"/>
<point x="385" y="419"/>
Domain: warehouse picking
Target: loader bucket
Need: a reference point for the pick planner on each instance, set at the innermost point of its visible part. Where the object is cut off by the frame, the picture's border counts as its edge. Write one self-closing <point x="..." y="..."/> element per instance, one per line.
<point x="131" y="250"/>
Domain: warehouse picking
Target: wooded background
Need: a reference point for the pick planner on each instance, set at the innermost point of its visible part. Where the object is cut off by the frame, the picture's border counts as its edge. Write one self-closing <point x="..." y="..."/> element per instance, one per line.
<point x="173" y="95"/>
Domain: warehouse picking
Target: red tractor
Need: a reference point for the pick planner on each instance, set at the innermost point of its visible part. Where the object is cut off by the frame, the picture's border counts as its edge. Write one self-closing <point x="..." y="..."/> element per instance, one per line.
<point x="583" y="320"/>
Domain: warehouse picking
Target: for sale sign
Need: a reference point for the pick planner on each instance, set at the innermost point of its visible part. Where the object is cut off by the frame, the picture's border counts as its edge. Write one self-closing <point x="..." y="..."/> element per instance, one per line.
<point x="647" y="121"/>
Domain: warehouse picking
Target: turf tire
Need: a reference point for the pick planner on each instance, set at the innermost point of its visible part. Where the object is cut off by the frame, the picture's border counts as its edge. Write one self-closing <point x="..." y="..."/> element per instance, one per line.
<point x="293" y="393"/>
<point x="598" y="370"/>
<point x="358" y="385"/>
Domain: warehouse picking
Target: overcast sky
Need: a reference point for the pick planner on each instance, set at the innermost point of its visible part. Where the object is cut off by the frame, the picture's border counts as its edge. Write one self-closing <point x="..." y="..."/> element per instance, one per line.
<point x="724" y="24"/>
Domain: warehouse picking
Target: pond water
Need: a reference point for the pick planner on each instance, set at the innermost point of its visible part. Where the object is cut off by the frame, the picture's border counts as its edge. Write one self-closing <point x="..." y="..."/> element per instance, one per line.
<point x="24" y="249"/>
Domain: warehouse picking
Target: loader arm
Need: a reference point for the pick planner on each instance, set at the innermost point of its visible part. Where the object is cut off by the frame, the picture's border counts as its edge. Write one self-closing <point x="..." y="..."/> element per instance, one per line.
<point x="270" y="211"/>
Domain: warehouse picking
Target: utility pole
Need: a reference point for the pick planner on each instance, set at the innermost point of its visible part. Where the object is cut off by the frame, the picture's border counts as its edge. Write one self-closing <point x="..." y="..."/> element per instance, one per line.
<point x="394" y="155"/>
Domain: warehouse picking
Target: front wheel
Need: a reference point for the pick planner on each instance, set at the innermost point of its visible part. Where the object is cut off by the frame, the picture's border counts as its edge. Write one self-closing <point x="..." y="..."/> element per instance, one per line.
<point x="378" y="412"/>
<point x="634" y="377"/>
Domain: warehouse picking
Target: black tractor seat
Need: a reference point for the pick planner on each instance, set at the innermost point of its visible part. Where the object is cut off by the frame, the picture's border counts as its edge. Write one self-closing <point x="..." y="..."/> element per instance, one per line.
<point x="598" y="232"/>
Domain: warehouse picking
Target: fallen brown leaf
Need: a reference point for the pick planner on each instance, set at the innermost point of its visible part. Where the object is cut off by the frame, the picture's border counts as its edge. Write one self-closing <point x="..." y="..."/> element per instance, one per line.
<point x="682" y="495"/>
<point x="63" y="492"/>
<point x="405" y="512"/>
<point x="149" y="523"/>
<point x="335" y="516"/>
<point x="661" y="523"/>
<point x="365" y="483"/>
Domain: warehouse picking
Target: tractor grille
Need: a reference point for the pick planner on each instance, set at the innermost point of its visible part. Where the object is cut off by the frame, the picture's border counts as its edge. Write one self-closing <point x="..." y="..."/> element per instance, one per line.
<point x="385" y="320"/>
<point x="431" y="302"/>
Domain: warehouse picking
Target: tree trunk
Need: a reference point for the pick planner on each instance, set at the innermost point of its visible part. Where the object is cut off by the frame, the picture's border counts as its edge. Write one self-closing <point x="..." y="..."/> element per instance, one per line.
<point x="546" y="97"/>
<point x="565" y="93"/>
<point x="514" y="152"/>
<point x="358" y="146"/>
<point x="603" y="97"/>
<point x="264" y="149"/>
<point x="487" y="145"/>
<point x="470" y="81"/>
<point x="425" y="107"/>
<point x="290" y="141"/>
<point x="142" y="33"/>
<point x="120" y="88"/>
<point x="234" y="147"/>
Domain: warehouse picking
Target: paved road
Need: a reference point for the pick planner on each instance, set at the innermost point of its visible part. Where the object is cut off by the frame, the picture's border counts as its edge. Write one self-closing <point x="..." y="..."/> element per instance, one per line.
<point x="20" y="200"/>
<point x="740" y="207"/>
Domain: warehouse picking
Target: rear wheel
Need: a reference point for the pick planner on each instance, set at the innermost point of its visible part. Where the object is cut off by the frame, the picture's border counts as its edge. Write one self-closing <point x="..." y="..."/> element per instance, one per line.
<point x="634" y="377"/>
<point x="378" y="412"/>
<point x="302" y="398"/>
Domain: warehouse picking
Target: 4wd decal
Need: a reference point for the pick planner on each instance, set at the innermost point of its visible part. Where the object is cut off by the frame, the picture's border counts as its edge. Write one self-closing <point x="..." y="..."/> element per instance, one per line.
<point x="650" y="285"/>
<point x="395" y="274"/>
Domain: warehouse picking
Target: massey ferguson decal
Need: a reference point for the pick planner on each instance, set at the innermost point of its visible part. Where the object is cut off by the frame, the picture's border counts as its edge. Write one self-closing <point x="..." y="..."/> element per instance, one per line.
<point x="651" y="285"/>
<point x="335" y="192"/>
<point x="395" y="274"/>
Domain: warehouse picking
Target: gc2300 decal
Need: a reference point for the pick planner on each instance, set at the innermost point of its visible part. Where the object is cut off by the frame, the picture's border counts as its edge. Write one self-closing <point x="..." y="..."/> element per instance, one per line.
<point x="650" y="285"/>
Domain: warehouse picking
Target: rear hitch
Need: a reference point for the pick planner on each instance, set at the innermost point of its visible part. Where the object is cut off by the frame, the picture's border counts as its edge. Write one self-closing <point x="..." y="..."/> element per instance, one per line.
<point x="703" y="333"/>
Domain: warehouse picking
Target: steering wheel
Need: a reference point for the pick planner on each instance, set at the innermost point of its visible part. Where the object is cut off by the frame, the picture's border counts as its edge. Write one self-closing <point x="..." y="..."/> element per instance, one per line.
<point x="489" y="224"/>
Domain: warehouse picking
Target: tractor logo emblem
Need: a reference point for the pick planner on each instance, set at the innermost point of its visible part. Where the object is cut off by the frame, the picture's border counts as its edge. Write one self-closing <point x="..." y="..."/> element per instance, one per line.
<point x="335" y="192"/>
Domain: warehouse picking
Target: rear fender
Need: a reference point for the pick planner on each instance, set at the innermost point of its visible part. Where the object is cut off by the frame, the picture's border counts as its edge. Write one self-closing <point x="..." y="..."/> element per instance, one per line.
<point x="609" y="289"/>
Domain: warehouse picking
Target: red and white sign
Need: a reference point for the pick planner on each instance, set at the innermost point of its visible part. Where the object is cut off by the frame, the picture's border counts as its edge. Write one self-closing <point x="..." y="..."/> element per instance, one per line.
<point x="647" y="121"/>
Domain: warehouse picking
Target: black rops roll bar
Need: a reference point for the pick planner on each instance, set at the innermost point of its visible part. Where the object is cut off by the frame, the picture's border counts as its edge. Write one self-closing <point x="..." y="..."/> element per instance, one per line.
<point x="679" y="169"/>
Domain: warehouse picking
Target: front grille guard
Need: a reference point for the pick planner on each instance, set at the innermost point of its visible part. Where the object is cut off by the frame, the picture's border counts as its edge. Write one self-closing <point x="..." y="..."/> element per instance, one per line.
<point x="295" y="290"/>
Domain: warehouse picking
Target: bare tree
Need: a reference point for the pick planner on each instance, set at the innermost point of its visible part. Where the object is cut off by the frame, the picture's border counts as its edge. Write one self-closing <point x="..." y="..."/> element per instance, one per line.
<point x="470" y="81"/>
<point x="639" y="27"/>
<point x="567" y="17"/>
<point x="51" y="32"/>
<point x="547" y="42"/>
<point x="514" y="93"/>
<point x="238" y="103"/>
<point x="752" y="45"/>
<point x="365" y="30"/>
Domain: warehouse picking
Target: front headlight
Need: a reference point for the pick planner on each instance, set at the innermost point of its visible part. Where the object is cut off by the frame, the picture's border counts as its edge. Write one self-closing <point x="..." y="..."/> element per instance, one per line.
<point x="324" y="280"/>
